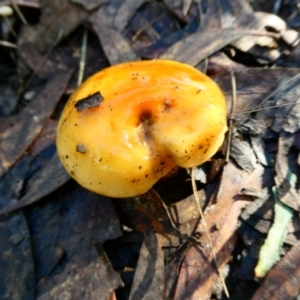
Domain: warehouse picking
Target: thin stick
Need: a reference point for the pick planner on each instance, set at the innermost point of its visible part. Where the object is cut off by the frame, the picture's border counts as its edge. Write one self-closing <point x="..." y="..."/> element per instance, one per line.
<point x="186" y="7"/>
<point x="260" y="109"/>
<point x="206" y="231"/>
<point x="146" y="26"/>
<point x="82" y="58"/>
<point x="19" y="13"/>
<point x="10" y="28"/>
<point x="232" y="110"/>
<point x="268" y="97"/>
<point x="276" y="7"/>
<point x="7" y="44"/>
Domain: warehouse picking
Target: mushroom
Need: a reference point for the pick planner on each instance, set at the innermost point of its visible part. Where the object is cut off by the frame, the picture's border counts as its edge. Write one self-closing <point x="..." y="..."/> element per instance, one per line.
<point x="129" y="125"/>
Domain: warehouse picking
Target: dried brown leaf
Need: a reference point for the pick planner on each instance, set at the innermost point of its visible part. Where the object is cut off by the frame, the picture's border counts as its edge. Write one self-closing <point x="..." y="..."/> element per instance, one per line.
<point x="16" y="258"/>
<point x="8" y="91"/>
<point x="173" y="265"/>
<point x="198" y="272"/>
<point x="117" y="49"/>
<point x="291" y="61"/>
<point x="34" y="59"/>
<point x="186" y="10"/>
<point x="57" y="21"/>
<point x="259" y="213"/>
<point x="281" y="111"/>
<point x="46" y="138"/>
<point x="88" y="220"/>
<point x="154" y="28"/>
<point x="210" y="16"/>
<point x="96" y="280"/>
<point x="125" y="13"/>
<point x="48" y="179"/>
<point x="243" y="154"/>
<point x="283" y="280"/>
<point x="44" y="224"/>
<point x="147" y="210"/>
<point x="251" y="91"/>
<point x="186" y="210"/>
<point x="220" y="63"/>
<point x="286" y="192"/>
<point x="148" y="280"/>
<point x="15" y="140"/>
<point x="90" y="4"/>
<point x="251" y="127"/>
<point x="43" y="65"/>
<point x="29" y="3"/>
<point x="224" y="14"/>
<point x="185" y="213"/>
<point x="259" y="147"/>
<point x="194" y="48"/>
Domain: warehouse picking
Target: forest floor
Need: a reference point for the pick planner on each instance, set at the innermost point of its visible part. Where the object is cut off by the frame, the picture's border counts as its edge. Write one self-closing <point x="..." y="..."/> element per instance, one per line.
<point x="61" y="241"/>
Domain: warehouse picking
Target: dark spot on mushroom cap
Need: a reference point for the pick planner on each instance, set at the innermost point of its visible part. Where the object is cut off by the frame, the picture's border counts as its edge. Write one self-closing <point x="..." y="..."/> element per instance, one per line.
<point x="91" y="101"/>
<point x="80" y="148"/>
<point x="145" y="121"/>
<point x="167" y="104"/>
<point x="146" y="116"/>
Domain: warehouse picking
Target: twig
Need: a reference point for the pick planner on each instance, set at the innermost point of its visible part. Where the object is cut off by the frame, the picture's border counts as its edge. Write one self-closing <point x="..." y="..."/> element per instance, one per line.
<point x="206" y="232"/>
<point x="19" y="13"/>
<point x="82" y="58"/>
<point x="10" y="28"/>
<point x="146" y="26"/>
<point x="7" y="44"/>
<point x="230" y="119"/>
<point x="260" y="109"/>
<point x="257" y="107"/>
<point x="276" y="6"/>
<point x="186" y="7"/>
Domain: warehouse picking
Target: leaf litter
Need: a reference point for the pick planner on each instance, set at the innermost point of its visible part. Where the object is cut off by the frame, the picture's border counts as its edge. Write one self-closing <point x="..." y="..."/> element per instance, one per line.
<point x="85" y="271"/>
<point x="150" y="268"/>
<point x="282" y="282"/>
<point x="67" y="226"/>
<point x="270" y="251"/>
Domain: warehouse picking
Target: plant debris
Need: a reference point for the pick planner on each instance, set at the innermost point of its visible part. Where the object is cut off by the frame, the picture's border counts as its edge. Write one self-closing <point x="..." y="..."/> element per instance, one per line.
<point x="60" y="241"/>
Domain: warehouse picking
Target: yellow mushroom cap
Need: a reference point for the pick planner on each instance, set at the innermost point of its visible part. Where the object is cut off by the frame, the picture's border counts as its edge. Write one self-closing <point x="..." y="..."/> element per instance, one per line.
<point x="129" y="125"/>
